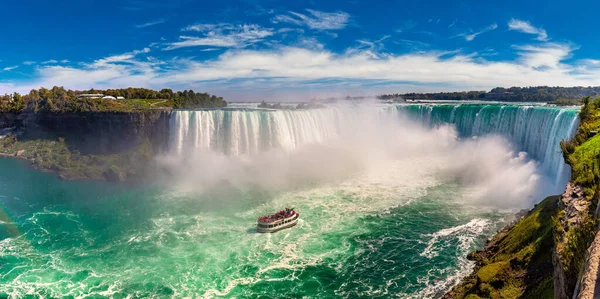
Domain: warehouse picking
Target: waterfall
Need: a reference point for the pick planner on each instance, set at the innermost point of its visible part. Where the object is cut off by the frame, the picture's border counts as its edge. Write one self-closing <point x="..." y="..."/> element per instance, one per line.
<point x="245" y="131"/>
<point x="533" y="129"/>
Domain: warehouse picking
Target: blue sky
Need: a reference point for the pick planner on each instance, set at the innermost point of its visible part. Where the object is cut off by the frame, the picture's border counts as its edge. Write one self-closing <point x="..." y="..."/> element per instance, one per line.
<point x="262" y="48"/>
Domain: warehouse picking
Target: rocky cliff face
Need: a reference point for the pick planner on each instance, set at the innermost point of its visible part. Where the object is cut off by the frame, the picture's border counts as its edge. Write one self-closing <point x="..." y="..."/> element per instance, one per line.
<point x="10" y="120"/>
<point x="589" y="281"/>
<point x="515" y="262"/>
<point x="96" y="132"/>
<point x="561" y="281"/>
<point x="570" y="232"/>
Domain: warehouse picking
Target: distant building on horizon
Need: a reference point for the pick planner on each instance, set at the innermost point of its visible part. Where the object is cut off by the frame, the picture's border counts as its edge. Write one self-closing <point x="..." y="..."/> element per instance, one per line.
<point x="91" y="95"/>
<point x="98" y="96"/>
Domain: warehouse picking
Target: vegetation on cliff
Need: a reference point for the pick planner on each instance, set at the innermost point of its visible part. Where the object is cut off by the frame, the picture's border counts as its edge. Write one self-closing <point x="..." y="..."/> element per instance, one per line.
<point x="555" y="235"/>
<point x="516" y="263"/>
<point x="300" y="106"/>
<point x="566" y="102"/>
<point x="575" y="226"/>
<point x="57" y="157"/>
<point x="512" y="94"/>
<point x="59" y="99"/>
<point x="90" y="145"/>
<point x="582" y="152"/>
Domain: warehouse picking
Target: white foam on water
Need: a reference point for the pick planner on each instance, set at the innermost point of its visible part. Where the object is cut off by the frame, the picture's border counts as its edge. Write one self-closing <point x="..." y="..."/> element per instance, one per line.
<point x="466" y="233"/>
<point x="338" y="167"/>
<point x="341" y="165"/>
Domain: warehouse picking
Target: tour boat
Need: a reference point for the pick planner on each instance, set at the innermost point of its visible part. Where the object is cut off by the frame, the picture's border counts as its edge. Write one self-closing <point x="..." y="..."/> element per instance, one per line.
<point x="278" y="221"/>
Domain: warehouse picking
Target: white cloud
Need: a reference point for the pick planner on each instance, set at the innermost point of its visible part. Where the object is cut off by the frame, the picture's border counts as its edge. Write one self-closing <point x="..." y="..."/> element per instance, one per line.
<point x="316" y="67"/>
<point x="51" y="61"/>
<point x="301" y="65"/>
<point x="526" y="27"/>
<point x="310" y="43"/>
<point x="472" y="35"/>
<point x="412" y="44"/>
<point x="152" y="23"/>
<point x="315" y="19"/>
<point x="489" y="52"/>
<point x="28" y="62"/>
<point x="286" y="30"/>
<point x="118" y="70"/>
<point x="372" y="47"/>
<point x="429" y="67"/>
<point x="10" y="68"/>
<point x="207" y="27"/>
<point x="549" y="55"/>
<point x="7" y="88"/>
<point x="222" y="35"/>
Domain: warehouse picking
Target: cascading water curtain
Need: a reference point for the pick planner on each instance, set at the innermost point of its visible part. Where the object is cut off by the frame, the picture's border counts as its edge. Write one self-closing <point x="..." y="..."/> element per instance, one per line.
<point x="535" y="130"/>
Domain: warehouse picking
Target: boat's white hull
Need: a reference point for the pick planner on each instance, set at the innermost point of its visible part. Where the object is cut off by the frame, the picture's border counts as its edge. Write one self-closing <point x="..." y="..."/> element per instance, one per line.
<point x="292" y="222"/>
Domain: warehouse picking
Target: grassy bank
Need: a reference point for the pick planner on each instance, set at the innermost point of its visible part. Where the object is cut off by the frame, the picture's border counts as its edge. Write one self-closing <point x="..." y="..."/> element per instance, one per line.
<point x="582" y="152"/>
<point x="575" y="231"/>
<point x="60" y="100"/>
<point x="517" y="262"/>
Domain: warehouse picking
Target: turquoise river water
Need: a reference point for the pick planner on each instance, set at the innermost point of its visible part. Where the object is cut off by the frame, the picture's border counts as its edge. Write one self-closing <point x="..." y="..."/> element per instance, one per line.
<point x="390" y="225"/>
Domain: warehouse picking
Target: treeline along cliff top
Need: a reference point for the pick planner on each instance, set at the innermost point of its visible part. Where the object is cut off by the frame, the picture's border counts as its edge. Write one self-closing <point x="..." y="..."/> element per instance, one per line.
<point x="512" y="94"/>
<point x="59" y="99"/>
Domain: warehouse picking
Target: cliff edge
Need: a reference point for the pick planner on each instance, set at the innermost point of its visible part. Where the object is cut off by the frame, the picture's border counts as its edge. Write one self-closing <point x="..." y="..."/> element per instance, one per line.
<point x="576" y="224"/>
<point x="515" y="263"/>
<point x="567" y="262"/>
<point x="115" y="146"/>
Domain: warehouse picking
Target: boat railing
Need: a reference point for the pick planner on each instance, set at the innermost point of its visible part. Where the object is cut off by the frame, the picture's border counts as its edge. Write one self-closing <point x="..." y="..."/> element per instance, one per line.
<point x="277" y="217"/>
<point x="277" y="221"/>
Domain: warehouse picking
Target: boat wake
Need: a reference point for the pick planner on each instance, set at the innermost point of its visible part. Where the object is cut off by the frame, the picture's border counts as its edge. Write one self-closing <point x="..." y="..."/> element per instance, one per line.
<point x="389" y="207"/>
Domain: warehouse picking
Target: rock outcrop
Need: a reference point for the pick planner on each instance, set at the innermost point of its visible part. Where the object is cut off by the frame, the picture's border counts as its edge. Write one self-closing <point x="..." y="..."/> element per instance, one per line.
<point x="10" y="120"/>
<point x="570" y="233"/>
<point x="589" y="285"/>
<point x="95" y="132"/>
<point x="515" y="262"/>
<point x="114" y="146"/>
<point x="561" y="280"/>
<point x="575" y="206"/>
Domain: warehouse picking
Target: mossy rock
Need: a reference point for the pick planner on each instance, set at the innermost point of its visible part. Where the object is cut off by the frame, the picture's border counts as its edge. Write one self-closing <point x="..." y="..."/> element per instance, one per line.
<point x="113" y="173"/>
<point x="510" y="291"/>
<point x="492" y="272"/>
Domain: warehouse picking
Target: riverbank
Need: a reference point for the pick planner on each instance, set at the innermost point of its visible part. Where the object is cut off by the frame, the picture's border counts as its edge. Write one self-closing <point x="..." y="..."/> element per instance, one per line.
<point x="114" y="146"/>
<point x="515" y="262"/>
<point x="571" y="251"/>
<point x="54" y="156"/>
<point x="418" y="189"/>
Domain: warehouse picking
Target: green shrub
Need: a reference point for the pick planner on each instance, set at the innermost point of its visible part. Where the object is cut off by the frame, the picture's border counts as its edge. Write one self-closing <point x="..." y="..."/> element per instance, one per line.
<point x="525" y="248"/>
<point x="492" y="272"/>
